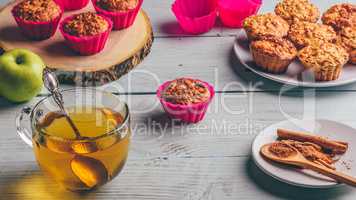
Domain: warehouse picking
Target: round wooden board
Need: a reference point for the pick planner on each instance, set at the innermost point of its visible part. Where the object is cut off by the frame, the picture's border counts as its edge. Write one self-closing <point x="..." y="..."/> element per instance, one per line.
<point x="125" y="50"/>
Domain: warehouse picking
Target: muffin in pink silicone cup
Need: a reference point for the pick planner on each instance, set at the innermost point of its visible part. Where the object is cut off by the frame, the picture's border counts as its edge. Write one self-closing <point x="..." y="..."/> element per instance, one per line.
<point x="195" y="17"/>
<point x="72" y="4"/>
<point x="233" y="12"/>
<point x="37" y="19"/>
<point x="121" y="12"/>
<point x="186" y="99"/>
<point x="86" y="33"/>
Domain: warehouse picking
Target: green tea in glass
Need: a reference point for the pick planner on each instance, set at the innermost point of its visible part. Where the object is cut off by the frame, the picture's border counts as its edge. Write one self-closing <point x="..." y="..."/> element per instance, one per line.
<point x="79" y="162"/>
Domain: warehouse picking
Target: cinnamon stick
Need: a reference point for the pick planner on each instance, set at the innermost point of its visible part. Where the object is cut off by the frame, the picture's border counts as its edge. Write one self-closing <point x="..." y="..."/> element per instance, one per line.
<point x="334" y="146"/>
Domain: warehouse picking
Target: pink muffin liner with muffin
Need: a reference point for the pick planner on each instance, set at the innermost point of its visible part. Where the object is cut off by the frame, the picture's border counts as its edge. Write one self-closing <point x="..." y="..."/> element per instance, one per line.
<point x="37" y="30"/>
<point x="120" y="19"/>
<point x="191" y="113"/>
<point x="233" y="12"/>
<point x="72" y="4"/>
<point x="195" y="17"/>
<point x="86" y="45"/>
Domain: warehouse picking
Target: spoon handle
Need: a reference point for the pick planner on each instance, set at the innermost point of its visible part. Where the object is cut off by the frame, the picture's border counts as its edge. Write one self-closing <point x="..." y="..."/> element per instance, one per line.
<point x="340" y="177"/>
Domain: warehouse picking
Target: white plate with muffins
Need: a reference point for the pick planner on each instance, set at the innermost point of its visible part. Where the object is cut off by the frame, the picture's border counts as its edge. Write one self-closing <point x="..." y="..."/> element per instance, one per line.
<point x="294" y="48"/>
<point x="332" y="131"/>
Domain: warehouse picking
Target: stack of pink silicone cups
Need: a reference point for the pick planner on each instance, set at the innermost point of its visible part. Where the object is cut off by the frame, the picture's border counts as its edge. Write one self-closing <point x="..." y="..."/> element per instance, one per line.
<point x="199" y="16"/>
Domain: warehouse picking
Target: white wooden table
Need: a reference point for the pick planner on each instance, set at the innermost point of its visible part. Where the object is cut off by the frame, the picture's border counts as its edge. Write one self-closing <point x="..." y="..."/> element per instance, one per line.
<point x="210" y="160"/>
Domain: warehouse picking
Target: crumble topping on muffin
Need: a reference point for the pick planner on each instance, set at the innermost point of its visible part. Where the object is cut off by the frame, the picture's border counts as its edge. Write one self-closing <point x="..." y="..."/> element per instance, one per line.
<point x="37" y="10"/>
<point x="340" y="15"/>
<point x="272" y="46"/>
<point x="86" y="24"/>
<point x="297" y="10"/>
<point x="306" y="33"/>
<point x="186" y="91"/>
<point x="117" y="5"/>
<point x="323" y="56"/>
<point x="258" y="26"/>
<point x="347" y="39"/>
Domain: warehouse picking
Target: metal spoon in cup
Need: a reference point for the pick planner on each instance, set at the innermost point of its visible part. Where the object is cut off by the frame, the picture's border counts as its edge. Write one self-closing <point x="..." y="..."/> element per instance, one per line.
<point x="90" y="171"/>
<point x="51" y="83"/>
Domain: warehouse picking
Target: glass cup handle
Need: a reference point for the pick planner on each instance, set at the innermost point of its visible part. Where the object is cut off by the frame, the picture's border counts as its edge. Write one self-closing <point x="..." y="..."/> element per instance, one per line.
<point x="21" y="131"/>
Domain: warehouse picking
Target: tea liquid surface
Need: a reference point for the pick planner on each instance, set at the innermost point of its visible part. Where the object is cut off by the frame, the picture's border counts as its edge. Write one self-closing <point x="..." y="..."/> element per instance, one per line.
<point x="91" y="122"/>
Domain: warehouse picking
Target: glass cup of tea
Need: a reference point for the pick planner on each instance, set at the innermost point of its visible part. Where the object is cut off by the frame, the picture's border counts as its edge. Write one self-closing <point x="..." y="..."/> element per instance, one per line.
<point x="85" y="148"/>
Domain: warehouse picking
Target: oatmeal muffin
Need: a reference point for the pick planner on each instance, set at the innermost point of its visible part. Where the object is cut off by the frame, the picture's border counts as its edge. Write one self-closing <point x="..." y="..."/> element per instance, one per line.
<point x="303" y="34"/>
<point x="186" y="91"/>
<point x="122" y="13"/>
<point x="265" y="25"/>
<point x="117" y="5"/>
<point x="340" y="15"/>
<point x="37" y="10"/>
<point x="273" y="54"/>
<point x="347" y="39"/>
<point x="86" y="24"/>
<point x="325" y="60"/>
<point x="186" y="99"/>
<point x="86" y="33"/>
<point x="297" y="10"/>
<point x="37" y="19"/>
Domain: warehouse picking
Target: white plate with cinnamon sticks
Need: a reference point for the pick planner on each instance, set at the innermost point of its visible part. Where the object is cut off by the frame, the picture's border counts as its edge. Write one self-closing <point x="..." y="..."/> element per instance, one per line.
<point x="325" y="143"/>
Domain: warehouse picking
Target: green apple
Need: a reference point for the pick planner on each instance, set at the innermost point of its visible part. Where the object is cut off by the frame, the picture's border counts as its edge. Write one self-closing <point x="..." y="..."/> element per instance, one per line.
<point x="20" y="75"/>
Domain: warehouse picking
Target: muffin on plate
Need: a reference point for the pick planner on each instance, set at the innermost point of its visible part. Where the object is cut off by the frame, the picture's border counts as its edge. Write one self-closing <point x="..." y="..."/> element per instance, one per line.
<point x="38" y="19"/>
<point x="340" y="15"/>
<point x="297" y="10"/>
<point x="273" y="54"/>
<point x="325" y="60"/>
<point x="303" y="34"/>
<point x="347" y="39"/>
<point x="87" y="32"/>
<point x="265" y="25"/>
<point x="186" y="99"/>
<point x="122" y="12"/>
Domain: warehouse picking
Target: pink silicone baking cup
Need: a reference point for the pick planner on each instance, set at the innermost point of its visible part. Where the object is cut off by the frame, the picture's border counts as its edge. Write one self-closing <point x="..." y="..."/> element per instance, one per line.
<point x="72" y="4"/>
<point x="37" y="30"/>
<point x="195" y="17"/>
<point x="233" y="12"/>
<point x="121" y="20"/>
<point x="188" y="113"/>
<point x="86" y="45"/>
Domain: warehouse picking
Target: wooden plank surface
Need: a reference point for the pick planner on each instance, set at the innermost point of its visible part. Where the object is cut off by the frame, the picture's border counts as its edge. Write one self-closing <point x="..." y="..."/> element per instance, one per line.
<point x="185" y="162"/>
<point x="171" y="179"/>
<point x="189" y="162"/>
<point x="232" y="122"/>
<point x="208" y="58"/>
